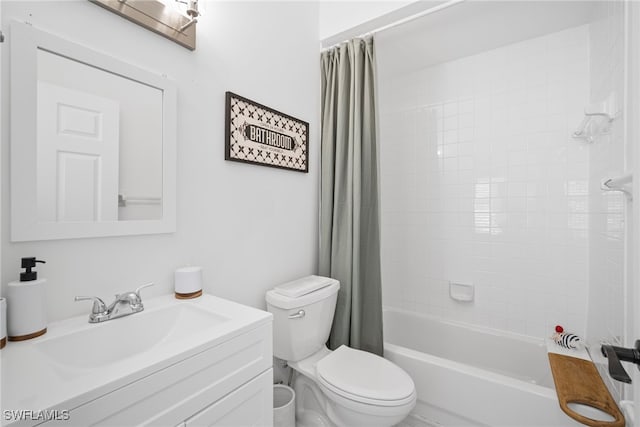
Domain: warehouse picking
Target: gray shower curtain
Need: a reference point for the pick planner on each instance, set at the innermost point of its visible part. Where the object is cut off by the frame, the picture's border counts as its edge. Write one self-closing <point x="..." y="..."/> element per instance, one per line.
<point x="349" y="202"/>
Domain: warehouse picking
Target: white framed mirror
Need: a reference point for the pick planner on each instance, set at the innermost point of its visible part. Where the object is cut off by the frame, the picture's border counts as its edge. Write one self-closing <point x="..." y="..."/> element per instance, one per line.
<point x="93" y="142"/>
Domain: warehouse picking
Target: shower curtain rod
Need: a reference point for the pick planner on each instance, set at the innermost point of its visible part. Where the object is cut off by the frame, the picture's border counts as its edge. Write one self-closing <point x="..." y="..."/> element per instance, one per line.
<point x="342" y="37"/>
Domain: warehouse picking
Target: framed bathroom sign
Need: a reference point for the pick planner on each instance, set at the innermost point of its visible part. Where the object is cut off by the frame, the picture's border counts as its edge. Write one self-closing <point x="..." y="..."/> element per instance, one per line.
<point x="261" y="135"/>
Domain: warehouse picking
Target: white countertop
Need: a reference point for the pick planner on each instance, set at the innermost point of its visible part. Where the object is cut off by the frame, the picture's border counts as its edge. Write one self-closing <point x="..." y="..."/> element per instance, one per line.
<point x="33" y="381"/>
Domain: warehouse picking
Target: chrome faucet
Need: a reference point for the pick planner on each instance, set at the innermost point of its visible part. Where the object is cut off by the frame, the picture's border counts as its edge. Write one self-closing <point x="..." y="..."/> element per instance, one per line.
<point x="124" y="304"/>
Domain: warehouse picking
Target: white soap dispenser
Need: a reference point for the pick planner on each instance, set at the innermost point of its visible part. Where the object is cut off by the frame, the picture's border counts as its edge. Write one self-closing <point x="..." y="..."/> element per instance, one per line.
<point x="26" y="310"/>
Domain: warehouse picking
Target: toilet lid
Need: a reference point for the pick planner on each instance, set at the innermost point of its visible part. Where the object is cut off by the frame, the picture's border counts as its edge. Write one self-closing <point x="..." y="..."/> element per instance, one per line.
<point x="360" y="375"/>
<point x="303" y="286"/>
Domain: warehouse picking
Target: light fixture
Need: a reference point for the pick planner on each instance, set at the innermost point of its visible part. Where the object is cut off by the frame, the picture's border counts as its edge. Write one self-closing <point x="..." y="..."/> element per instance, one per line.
<point x="192" y="12"/>
<point x="172" y="19"/>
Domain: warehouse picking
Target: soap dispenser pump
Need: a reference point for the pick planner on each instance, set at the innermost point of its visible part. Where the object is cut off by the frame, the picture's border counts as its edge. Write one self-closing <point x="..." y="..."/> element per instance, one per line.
<point x="26" y="310"/>
<point x="28" y="264"/>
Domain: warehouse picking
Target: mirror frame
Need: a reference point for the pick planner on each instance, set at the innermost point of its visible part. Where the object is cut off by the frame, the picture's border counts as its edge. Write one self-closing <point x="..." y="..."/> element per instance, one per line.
<point x="25" y="226"/>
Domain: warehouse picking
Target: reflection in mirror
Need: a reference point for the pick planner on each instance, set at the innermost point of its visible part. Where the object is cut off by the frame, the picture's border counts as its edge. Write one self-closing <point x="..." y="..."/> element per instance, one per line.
<point x="92" y="142"/>
<point x="99" y="144"/>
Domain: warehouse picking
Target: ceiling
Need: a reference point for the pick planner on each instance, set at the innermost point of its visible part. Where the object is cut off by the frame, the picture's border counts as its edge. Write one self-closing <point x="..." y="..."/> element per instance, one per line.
<point x="475" y="26"/>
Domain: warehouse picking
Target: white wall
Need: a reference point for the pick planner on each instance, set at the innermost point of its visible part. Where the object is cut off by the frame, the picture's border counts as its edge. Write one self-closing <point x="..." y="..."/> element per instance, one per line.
<point x="250" y="227"/>
<point x="482" y="184"/>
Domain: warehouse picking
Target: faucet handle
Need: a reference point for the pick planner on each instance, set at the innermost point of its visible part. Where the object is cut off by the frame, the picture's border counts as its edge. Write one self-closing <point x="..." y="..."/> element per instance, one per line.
<point x="139" y="288"/>
<point x="616" y="354"/>
<point x="99" y="306"/>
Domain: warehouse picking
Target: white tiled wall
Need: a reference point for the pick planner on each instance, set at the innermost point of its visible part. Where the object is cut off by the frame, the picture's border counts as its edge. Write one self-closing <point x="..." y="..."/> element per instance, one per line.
<point x="482" y="184"/>
<point x="608" y="219"/>
<point x="608" y="160"/>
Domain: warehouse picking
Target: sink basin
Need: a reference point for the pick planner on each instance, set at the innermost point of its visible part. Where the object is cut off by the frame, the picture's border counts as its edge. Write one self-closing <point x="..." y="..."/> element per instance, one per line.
<point x="117" y="339"/>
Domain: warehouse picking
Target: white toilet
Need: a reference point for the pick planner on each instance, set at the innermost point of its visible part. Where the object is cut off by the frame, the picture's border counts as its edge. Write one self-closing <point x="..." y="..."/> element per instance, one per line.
<point x="345" y="387"/>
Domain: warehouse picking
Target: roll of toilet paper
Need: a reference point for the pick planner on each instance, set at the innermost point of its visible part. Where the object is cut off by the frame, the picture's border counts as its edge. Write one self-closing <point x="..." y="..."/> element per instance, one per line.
<point x="188" y="282"/>
<point x="3" y="322"/>
<point x="26" y="310"/>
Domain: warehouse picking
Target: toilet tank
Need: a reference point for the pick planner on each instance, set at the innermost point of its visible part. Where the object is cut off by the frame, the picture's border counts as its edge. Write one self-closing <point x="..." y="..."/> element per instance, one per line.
<point x="302" y="315"/>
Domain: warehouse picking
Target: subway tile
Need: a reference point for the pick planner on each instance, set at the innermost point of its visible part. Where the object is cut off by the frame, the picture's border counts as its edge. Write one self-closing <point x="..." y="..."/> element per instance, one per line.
<point x="465" y="120"/>
<point x="516" y="189"/>
<point x="465" y="163"/>
<point x="466" y="105"/>
<point x="450" y="136"/>
<point x="450" y="150"/>
<point x="450" y="109"/>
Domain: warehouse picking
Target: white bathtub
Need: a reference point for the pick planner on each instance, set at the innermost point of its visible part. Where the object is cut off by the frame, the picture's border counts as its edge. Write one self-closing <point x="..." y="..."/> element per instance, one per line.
<point x="468" y="376"/>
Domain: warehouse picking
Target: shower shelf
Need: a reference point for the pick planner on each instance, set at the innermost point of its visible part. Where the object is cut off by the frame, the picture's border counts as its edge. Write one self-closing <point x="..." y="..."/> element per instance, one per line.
<point x="590" y="127"/>
<point x="623" y="183"/>
<point x="462" y="292"/>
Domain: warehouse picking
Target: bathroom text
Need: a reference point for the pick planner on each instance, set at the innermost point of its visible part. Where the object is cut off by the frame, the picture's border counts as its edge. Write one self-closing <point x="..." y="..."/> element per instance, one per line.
<point x="269" y="137"/>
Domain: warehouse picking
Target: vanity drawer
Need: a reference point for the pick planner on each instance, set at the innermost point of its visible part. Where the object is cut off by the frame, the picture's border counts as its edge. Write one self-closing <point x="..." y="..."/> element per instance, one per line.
<point x="249" y="406"/>
<point x="173" y="394"/>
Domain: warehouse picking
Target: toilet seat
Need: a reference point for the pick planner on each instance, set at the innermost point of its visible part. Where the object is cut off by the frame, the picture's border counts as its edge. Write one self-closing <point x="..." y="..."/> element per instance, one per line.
<point x="358" y="377"/>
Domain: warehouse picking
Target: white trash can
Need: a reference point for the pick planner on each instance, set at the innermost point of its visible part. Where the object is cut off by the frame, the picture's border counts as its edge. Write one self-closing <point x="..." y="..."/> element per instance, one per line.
<point x="284" y="406"/>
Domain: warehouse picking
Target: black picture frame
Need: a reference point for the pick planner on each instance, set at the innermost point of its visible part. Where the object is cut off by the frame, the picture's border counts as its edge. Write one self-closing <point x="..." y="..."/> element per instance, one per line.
<point x="257" y="134"/>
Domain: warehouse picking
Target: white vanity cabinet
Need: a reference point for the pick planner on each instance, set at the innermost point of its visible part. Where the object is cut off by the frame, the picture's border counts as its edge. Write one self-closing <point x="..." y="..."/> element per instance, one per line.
<point x="230" y="384"/>
<point x="220" y="376"/>
<point x="232" y="378"/>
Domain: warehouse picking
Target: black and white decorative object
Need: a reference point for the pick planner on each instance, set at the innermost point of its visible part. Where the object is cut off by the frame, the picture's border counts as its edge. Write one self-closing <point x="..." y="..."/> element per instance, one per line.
<point x="258" y="134"/>
<point x="566" y="339"/>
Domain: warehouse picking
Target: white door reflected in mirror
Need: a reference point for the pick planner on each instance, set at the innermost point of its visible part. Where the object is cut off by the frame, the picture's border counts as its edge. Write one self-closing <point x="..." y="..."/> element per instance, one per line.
<point x="78" y="145"/>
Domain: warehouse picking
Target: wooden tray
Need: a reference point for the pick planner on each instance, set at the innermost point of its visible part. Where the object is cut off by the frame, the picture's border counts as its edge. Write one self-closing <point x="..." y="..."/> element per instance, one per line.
<point x="578" y="381"/>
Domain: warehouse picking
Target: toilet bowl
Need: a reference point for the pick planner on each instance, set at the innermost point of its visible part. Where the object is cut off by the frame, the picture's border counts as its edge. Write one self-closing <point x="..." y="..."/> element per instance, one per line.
<point x="345" y="387"/>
